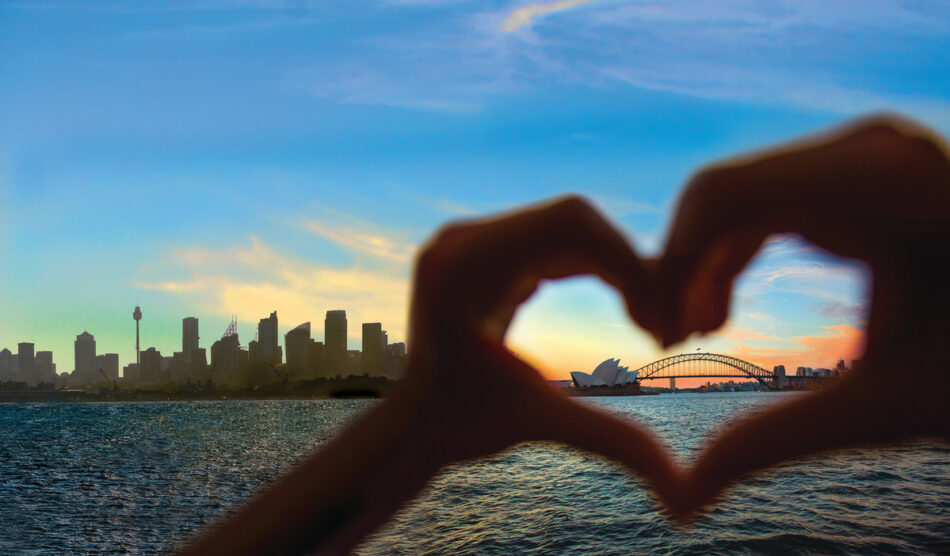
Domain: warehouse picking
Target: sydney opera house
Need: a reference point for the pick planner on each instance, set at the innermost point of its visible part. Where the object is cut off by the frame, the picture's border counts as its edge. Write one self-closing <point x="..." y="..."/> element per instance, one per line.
<point x="609" y="373"/>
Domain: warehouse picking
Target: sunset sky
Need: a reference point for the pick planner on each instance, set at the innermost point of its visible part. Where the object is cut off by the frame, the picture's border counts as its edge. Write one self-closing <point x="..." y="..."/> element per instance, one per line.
<point x="213" y="158"/>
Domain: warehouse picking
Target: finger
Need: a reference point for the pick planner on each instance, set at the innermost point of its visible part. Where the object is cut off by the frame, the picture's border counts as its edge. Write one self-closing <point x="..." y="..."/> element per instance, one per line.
<point x="854" y="411"/>
<point x="484" y="269"/>
<point x="861" y="192"/>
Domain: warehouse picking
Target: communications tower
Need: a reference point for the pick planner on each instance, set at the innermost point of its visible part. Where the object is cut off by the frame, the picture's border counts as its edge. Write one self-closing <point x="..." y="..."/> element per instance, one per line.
<point x="137" y="315"/>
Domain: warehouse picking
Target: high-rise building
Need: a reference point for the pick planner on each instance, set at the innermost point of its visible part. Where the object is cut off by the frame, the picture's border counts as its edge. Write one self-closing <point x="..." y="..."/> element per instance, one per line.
<point x="395" y="360"/>
<point x="27" y="360"/>
<point x="267" y="340"/>
<point x="297" y="342"/>
<point x="6" y="365"/>
<point x="226" y="359"/>
<point x="371" y="362"/>
<point x="199" y="365"/>
<point x="397" y="349"/>
<point x="45" y="368"/>
<point x="151" y="365"/>
<point x="130" y="372"/>
<point x="109" y="363"/>
<point x="189" y="336"/>
<point x="315" y="359"/>
<point x="334" y="339"/>
<point x="85" y="355"/>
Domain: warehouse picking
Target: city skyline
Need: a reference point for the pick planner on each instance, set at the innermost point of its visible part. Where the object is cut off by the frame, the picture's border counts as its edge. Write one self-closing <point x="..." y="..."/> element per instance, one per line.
<point x="89" y="366"/>
<point x="237" y="157"/>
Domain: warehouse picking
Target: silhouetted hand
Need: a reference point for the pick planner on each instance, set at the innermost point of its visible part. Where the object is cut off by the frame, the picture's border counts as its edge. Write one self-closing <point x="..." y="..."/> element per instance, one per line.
<point x="464" y="395"/>
<point x="876" y="191"/>
<point x="477" y="395"/>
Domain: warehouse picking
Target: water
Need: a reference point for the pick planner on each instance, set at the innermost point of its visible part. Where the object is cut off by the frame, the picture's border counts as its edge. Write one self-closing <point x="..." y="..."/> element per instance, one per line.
<point x="142" y="477"/>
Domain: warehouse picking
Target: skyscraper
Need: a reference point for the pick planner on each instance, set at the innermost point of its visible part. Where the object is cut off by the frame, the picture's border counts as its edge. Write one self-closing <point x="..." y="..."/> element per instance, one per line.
<point x="45" y="368"/>
<point x="371" y="362"/>
<point x="6" y="365"/>
<point x="151" y="369"/>
<point x="189" y="337"/>
<point x="315" y="359"/>
<point x="334" y="332"/>
<point x="85" y="352"/>
<point x="109" y="363"/>
<point x="228" y="359"/>
<point x="297" y="342"/>
<point x="27" y="360"/>
<point x="267" y="339"/>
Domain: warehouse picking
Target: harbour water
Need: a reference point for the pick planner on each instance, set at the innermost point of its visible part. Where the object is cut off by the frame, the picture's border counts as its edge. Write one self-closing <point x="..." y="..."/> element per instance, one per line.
<point x="142" y="477"/>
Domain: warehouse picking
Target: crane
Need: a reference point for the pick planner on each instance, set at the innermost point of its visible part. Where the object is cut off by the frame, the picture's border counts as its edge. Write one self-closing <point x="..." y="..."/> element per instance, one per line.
<point x="282" y="377"/>
<point x="115" y="383"/>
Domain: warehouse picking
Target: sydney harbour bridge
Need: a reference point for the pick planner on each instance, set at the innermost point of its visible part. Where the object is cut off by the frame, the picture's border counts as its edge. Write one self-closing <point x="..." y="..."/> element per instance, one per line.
<point x="705" y="365"/>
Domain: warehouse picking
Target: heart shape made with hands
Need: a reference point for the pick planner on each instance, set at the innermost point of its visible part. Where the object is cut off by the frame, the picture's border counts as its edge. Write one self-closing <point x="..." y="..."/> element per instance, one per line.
<point x="838" y="193"/>
<point x="877" y="190"/>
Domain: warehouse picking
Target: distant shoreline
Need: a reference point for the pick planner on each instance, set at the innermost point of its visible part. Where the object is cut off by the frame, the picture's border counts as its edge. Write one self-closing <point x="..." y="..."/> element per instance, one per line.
<point x="352" y="387"/>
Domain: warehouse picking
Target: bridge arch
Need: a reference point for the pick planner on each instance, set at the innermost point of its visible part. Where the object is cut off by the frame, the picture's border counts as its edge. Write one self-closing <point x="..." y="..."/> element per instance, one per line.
<point x="662" y="368"/>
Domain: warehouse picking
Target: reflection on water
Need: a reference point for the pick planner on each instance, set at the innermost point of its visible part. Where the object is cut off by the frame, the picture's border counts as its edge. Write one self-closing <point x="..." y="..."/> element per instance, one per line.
<point x="140" y="477"/>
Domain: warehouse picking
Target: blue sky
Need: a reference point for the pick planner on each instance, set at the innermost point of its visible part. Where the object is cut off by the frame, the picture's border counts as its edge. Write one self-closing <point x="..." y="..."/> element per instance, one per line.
<point x="216" y="158"/>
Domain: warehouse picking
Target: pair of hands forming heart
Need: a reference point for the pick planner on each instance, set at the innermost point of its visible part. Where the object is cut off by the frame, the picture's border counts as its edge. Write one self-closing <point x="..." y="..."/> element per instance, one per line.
<point x="877" y="191"/>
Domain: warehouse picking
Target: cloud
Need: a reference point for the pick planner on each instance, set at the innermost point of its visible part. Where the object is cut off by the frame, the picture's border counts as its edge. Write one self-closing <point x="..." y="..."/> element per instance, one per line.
<point x="850" y="313"/>
<point x="818" y="350"/>
<point x="775" y="54"/>
<point x="253" y="280"/>
<point x="527" y="14"/>
<point x="739" y="334"/>
<point x="375" y="244"/>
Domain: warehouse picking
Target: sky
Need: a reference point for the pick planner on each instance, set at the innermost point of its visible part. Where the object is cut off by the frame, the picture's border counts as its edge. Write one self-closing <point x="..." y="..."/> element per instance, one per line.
<point x="230" y="158"/>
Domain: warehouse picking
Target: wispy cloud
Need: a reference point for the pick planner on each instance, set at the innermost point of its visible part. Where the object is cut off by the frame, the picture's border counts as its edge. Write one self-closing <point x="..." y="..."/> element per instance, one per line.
<point x="526" y="15"/>
<point x="774" y="53"/>
<point x="740" y="335"/>
<point x="376" y="244"/>
<point x="819" y="350"/>
<point x="253" y="280"/>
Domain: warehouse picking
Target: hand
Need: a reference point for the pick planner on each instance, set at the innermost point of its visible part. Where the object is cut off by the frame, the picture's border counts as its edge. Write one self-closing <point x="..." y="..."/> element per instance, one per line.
<point x="464" y="395"/>
<point x="876" y="191"/>
<point x="474" y="396"/>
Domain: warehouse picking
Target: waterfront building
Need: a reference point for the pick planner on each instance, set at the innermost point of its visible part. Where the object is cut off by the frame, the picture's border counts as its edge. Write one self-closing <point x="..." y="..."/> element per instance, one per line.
<point x="267" y="350"/>
<point x="151" y="365"/>
<point x="395" y="360"/>
<point x="334" y="332"/>
<point x="177" y="368"/>
<point x="26" y="360"/>
<point x="85" y="355"/>
<point x="109" y="363"/>
<point x="189" y="336"/>
<point x="397" y="349"/>
<point x="199" y="365"/>
<point x="130" y="373"/>
<point x="315" y="359"/>
<point x="608" y="373"/>
<point x="371" y="362"/>
<point x="297" y="342"/>
<point x="45" y="368"/>
<point x="353" y="365"/>
<point x="6" y="365"/>
<point x="226" y="360"/>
